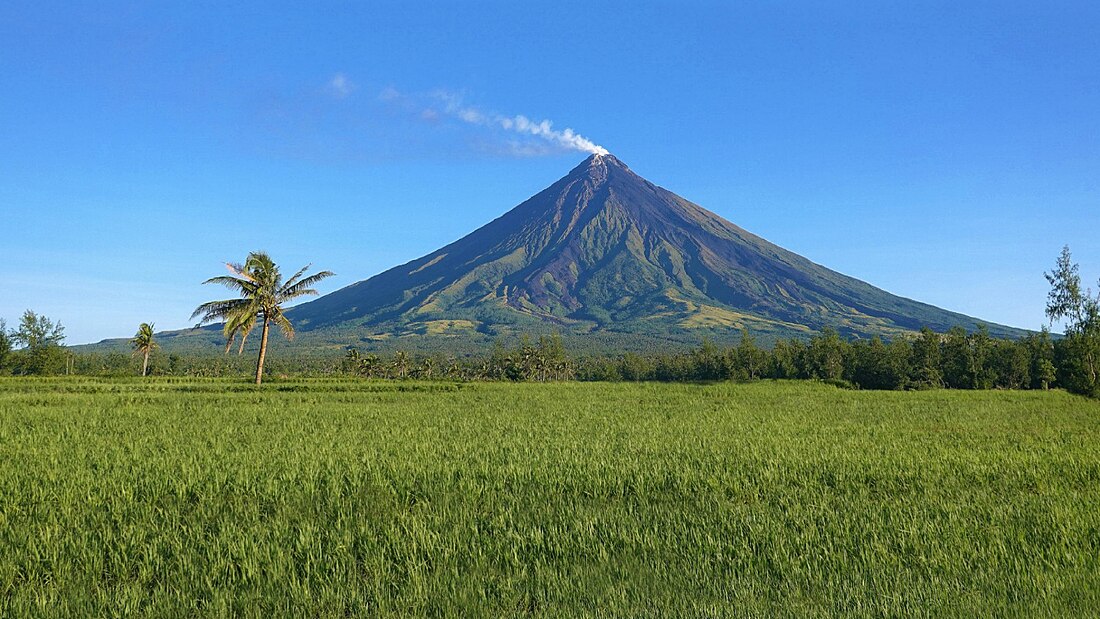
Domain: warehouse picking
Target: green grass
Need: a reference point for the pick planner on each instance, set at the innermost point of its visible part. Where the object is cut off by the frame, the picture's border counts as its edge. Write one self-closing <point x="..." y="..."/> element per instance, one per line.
<point x="210" y="498"/>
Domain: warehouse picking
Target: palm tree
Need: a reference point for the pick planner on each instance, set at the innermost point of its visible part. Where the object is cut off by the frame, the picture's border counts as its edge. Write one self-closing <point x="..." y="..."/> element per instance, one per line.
<point x="143" y="345"/>
<point x="263" y="293"/>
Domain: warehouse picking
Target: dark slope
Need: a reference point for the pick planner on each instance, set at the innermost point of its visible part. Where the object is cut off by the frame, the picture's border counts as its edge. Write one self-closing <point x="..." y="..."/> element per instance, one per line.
<point x="605" y="251"/>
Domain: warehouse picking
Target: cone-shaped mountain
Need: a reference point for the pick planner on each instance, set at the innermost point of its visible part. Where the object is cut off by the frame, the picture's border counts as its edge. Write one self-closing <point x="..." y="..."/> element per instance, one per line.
<point x="604" y="250"/>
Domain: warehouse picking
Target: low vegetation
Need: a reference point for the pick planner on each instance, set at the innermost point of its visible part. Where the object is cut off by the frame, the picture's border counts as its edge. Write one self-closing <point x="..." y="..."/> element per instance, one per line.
<point x="173" y="497"/>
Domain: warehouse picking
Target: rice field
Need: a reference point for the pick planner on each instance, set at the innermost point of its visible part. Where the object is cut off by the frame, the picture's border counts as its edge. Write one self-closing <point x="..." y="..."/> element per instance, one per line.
<point x="315" y="498"/>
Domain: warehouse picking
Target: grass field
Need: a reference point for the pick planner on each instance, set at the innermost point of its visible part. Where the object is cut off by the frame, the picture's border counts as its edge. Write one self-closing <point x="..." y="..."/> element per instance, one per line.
<point x="210" y="498"/>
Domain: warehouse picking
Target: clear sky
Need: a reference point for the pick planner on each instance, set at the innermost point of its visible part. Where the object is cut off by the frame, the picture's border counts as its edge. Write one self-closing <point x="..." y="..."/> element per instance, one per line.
<point x="943" y="151"/>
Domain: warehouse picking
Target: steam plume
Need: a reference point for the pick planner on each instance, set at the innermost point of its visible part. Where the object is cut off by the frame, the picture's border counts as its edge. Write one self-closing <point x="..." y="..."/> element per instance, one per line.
<point x="568" y="139"/>
<point x="544" y="129"/>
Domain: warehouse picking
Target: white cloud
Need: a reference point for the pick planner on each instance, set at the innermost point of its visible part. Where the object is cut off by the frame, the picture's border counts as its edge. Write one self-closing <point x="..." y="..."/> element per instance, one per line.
<point x="340" y="86"/>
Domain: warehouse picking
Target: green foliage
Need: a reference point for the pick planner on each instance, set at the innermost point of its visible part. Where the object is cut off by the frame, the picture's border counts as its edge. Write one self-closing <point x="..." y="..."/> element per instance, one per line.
<point x="980" y="365"/>
<point x="967" y="359"/>
<point x="1075" y="358"/>
<point x="875" y="365"/>
<point x="41" y="351"/>
<point x="926" y="362"/>
<point x="367" y="366"/>
<point x="750" y="362"/>
<point x="338" y="498"/>
<point x="544" y="361"/>
<point x="1010" y="365"/>
<point x="955" y="354"/>
<point x="785" y="359"/>
<point x="40" y="361"/>
<point x="541" y="362"/>
<point x="709" y="363"/>
<point x="824" y="358"/>
<point x="1066" y="298"/>
<point x="1041" y="352"/>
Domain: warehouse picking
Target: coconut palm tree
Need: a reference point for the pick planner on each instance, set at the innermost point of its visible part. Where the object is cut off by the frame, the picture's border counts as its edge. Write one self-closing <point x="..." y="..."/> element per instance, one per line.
<point x="263" y="293"/>
<point x="143" y="344"/>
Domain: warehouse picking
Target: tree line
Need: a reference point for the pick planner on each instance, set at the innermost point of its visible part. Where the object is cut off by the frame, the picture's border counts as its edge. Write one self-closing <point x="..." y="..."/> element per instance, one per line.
<point x="957" y="359"/>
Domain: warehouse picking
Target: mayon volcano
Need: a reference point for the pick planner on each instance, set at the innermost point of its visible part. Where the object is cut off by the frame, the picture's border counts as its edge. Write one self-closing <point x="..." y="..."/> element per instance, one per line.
<point x="606" y="254"/>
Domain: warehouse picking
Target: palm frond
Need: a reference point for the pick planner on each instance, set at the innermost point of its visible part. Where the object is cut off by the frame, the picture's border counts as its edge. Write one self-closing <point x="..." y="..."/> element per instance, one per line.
<point x="243" y="286"/>
<point x="215" y="310"/>
<point x="293" y="278"/>
<point x="284" y="326"/>
<point x="303" y="287"/>
<point x="243" y="320"/>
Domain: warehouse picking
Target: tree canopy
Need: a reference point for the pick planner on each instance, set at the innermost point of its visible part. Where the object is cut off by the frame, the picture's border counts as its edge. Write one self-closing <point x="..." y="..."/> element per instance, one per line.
<point x="36" y="331"/>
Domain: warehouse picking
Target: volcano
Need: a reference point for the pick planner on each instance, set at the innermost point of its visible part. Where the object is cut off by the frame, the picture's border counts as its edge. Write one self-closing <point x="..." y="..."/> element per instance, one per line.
<point x="603" y="251"/>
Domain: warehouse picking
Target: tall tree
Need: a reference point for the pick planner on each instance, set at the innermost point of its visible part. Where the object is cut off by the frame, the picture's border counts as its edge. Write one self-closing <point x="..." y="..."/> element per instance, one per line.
<point x="143" y="344"/>
<point x="1081" y="312"/>
<point x="262" y="295"/>
<point x="1066" y="299"/>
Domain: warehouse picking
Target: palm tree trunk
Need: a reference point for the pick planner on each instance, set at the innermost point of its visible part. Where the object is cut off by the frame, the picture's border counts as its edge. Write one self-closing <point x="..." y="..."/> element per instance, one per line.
<point x="145" y="363"/>
<point x="263" y="353"/>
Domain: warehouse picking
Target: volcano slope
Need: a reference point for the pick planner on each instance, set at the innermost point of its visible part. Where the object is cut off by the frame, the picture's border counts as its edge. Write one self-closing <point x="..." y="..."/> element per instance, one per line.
<point x="606" y="254"/>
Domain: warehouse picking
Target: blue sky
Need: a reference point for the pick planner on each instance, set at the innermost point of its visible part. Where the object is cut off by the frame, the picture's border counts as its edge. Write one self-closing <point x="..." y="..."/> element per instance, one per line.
<point x="943" y="151"/>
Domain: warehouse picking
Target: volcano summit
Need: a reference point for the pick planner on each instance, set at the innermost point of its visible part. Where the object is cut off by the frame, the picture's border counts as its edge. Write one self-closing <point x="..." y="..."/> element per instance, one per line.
<point x="606" y="253"/>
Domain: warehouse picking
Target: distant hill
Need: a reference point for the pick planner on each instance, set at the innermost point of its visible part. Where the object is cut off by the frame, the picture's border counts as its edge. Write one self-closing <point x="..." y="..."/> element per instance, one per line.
<point x="611" y="261"/>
